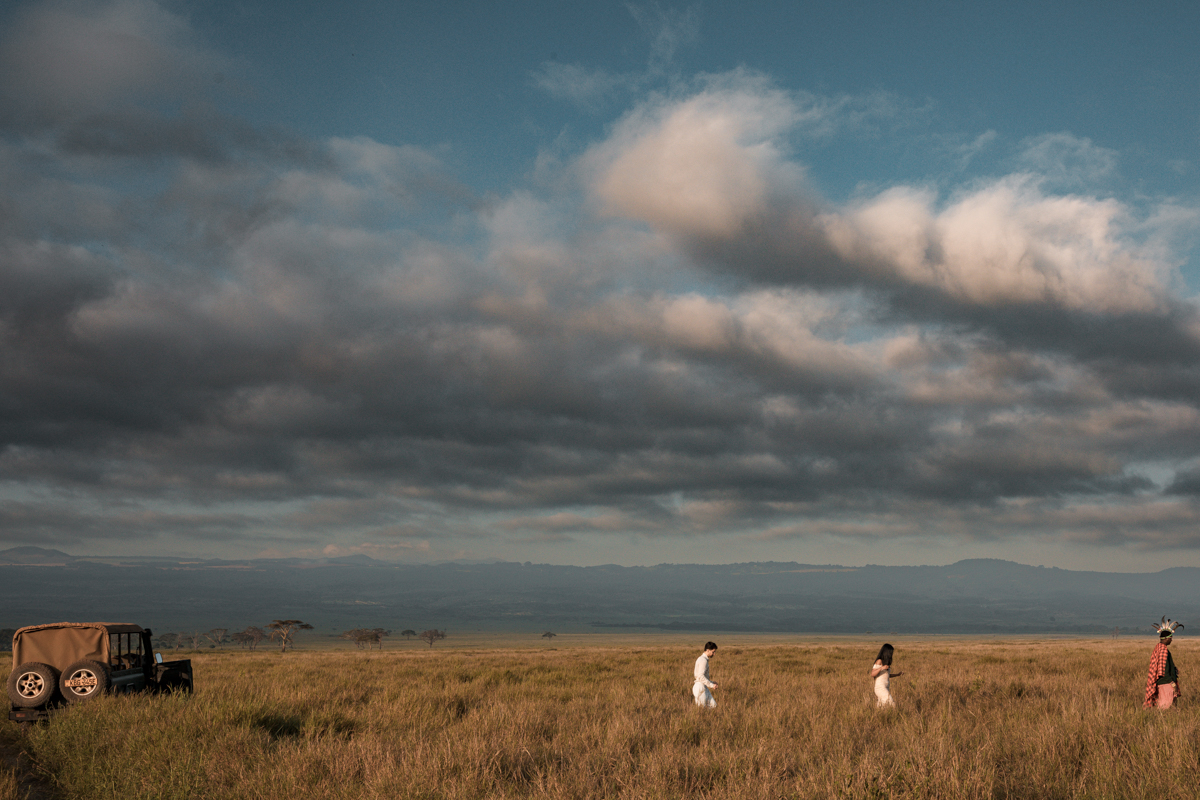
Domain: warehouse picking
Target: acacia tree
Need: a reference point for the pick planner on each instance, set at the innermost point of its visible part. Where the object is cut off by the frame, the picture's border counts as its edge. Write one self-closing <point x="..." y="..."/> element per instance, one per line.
<point x="408" y="634"/>
<point x="549" y="635"/>
<point x="431" y="636"/>
<point x="217" y="636"/>
<point x="285" y="629"/>
<point x="254" y="635"/>
<point x="169" y="641"/>
<point x="362" y="637"/>
<point x="367" y="637"/>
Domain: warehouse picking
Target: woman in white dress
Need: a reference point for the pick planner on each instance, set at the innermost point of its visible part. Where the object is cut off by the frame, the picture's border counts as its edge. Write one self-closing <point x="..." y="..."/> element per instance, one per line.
<point x="881" y="672"/>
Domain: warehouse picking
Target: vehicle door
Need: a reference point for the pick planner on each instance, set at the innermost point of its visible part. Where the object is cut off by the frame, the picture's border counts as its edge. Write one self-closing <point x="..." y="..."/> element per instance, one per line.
<point x="126" y="661"/>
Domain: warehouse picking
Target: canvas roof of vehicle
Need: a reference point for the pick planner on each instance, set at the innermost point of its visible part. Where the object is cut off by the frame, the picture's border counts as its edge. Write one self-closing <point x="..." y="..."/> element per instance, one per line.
<point x="60" y="644"/>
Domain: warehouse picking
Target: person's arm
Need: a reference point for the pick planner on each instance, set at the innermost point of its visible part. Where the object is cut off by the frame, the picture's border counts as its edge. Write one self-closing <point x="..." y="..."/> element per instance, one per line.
<point x="878" y="669"/>
<point x="698" y="673"/>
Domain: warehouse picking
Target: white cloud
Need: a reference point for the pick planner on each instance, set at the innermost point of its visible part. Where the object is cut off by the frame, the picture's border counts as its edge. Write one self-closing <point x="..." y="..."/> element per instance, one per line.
<point x="702" y="166"/>
<point x="981" y="143"/>
<point x="585" y="87"/>
<point x="1067" y="161"/>
<point x="679" y="345"/>
<point x="714" y="168"/>
<point x="671" y="29"/>
<point x="1005" y="243"/>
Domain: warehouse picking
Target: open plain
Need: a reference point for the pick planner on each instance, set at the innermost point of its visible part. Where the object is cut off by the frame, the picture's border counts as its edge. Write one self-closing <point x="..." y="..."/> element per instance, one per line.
<point x="588" y="717"/>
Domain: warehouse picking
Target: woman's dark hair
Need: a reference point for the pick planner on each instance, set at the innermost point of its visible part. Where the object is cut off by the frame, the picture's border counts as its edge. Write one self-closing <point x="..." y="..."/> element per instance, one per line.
<point x="710" y="646"/>
<point x="885" y="655"/>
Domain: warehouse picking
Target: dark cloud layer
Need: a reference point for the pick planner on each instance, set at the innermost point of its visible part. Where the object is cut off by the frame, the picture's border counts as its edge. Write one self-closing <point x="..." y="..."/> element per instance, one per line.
<point x="213" y="332"/>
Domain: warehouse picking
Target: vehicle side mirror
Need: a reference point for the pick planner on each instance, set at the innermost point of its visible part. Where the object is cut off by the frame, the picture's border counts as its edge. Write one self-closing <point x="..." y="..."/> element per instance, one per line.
<point x="158" y="658"/>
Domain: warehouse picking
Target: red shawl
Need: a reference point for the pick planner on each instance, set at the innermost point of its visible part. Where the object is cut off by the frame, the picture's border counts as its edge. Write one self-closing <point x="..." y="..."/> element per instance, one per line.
<point x="1158" y="665"/>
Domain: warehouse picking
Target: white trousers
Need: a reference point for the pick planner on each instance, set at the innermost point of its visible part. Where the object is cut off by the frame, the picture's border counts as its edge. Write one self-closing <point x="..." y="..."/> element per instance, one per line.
<point x="703" y="696"/>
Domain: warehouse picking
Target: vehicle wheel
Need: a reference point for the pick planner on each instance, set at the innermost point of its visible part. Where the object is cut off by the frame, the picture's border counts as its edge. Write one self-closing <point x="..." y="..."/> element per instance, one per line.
<point x="31" y="685"/>
<point x="83" y="680"/>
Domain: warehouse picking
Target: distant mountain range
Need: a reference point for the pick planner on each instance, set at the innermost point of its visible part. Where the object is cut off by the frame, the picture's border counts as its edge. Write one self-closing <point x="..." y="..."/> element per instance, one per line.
<point x="974" y="596"/>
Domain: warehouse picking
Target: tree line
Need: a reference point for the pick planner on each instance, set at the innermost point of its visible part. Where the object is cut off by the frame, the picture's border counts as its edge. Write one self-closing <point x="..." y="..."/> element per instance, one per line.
<point x="283" y="630"/>
<point x="367" y="638"/>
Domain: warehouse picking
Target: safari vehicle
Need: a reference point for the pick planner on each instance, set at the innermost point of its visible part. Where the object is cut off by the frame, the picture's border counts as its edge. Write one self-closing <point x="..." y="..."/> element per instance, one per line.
<point x="72" y="662"/>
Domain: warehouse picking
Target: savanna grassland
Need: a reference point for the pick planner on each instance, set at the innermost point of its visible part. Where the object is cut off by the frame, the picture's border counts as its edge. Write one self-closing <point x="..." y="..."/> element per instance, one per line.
<point x="994" y="719"/>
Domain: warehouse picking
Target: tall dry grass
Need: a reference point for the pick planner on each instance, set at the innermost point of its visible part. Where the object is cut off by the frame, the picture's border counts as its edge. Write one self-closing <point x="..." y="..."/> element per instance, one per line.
<point x="10" y="788"/>
<point x="983" y="720"/>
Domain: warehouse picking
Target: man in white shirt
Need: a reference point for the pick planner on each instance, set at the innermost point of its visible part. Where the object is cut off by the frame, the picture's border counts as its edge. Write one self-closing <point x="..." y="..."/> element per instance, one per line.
<point x="702" y="687"/>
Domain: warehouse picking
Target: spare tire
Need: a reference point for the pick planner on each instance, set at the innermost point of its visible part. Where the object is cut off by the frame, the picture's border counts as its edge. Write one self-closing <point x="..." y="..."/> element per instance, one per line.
<point x="84" y="680"/>
<point x="32" y="684"/>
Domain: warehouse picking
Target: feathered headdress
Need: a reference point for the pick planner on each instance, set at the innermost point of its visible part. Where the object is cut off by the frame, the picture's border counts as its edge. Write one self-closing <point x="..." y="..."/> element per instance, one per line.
<point x="1166" y="628"/>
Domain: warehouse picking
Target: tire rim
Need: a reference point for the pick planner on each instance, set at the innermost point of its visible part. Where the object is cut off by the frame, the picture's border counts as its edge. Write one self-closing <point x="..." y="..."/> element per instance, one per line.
<point x="30" y="685"/>
<point x="83" y="682"/>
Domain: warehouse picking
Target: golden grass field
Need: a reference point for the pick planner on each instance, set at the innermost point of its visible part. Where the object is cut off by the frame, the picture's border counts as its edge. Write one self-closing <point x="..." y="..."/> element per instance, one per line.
<point x="975" y="719"/>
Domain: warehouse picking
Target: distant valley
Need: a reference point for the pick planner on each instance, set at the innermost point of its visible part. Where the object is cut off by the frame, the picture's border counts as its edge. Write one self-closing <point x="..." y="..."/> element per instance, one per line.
<point x="975" y="596"/>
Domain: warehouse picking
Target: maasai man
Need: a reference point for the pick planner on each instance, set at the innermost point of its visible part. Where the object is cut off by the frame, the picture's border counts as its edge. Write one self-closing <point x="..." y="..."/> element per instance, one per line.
<point x="1162" y="681"/>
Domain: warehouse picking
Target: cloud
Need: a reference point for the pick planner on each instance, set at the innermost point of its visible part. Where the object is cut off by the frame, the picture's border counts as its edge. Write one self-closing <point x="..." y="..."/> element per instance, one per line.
<point x="587" y="88"/>
<point x="712" y="171"/>
<point x="670" y="28"/>
<point x="1004" y="244"/>
<point x="1137" y="525"/>
<point x="1067" y="161"/>
<point x="966" y="153"/>
<point x="565" y="521"/>
<point x="704" y="167"/>
<point x="218" y="334"/>
<point x="70" y="59"/>
<point x="592" y="88"/>
<point x="379" y="550"/>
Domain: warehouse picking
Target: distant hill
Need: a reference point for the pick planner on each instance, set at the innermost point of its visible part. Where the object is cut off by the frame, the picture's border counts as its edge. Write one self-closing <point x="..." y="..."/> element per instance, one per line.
<point x="34" y="555"/>
<point x="973" y="596"/>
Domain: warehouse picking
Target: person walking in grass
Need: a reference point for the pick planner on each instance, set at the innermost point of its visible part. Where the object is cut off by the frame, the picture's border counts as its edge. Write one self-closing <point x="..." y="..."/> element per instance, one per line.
<point x="702" y="686"/>
<point x="1162" y="680"/>
<point x="881" y="673"/>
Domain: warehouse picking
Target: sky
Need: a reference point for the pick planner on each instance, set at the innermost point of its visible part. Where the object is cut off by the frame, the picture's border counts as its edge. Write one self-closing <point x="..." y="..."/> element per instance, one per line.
<point x="595" y="282"/>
